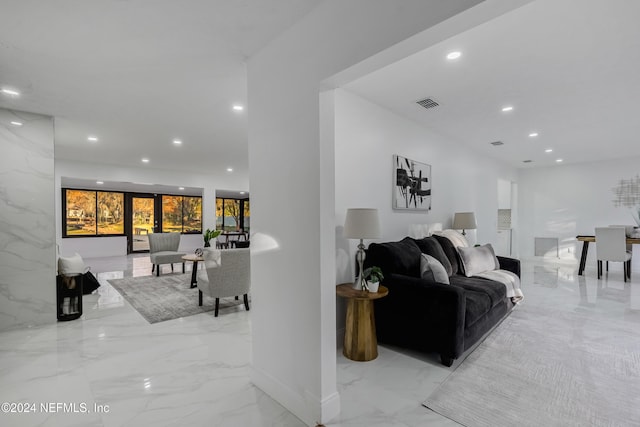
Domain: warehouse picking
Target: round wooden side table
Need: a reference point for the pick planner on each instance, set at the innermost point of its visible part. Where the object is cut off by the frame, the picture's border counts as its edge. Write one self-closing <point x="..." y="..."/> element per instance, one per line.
<point x="360" y="341"/>
<point x="194" y="270"/>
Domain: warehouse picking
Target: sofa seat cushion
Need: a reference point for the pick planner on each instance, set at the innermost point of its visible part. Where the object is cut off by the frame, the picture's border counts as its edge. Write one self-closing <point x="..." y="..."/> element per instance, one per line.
<point x="401" y="257"/>
<point x="166" y="257"/>
<point x="481" y="296"/>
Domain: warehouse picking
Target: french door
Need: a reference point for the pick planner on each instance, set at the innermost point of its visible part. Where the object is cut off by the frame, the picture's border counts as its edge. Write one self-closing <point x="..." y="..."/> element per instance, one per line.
<point x="143" y="213"/>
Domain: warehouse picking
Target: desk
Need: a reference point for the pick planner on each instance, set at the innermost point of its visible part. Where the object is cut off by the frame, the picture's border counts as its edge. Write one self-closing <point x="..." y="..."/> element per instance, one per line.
<point x="360" y="341"/>
<point x="194" y="269"/>
<point x="591" y="239"/>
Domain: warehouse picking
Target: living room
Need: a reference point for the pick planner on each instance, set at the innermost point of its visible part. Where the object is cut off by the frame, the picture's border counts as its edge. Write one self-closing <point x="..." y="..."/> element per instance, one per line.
<point x="366" y="137"/>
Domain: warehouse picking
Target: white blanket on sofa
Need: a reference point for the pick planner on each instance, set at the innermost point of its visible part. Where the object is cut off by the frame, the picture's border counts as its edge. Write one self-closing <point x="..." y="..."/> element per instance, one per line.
<point x="510" y="280"/>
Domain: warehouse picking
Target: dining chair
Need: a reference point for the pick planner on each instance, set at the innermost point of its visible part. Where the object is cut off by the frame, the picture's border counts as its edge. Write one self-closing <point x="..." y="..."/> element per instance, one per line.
<point x="611" y="245"/>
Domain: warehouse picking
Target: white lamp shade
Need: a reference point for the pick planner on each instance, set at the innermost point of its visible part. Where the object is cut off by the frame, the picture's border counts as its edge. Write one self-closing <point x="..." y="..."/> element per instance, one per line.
<point x="464" y="221"/>
<point x="362" y="223"/>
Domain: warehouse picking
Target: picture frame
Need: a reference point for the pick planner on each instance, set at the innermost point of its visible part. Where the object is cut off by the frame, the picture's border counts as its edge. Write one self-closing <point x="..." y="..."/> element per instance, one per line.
<point x="411" y="184"/>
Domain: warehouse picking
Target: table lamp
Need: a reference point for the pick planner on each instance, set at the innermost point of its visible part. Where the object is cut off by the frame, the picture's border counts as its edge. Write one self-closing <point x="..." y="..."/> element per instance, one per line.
<point x="464" y="221"/>
<point x="361" y="223"/>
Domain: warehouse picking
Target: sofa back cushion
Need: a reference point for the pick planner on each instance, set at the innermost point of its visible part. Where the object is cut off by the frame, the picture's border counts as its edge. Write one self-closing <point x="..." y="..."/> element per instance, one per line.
<point x="451" y="253"/>
<point x="431" y="247"/>
<point x="401" y="257"/>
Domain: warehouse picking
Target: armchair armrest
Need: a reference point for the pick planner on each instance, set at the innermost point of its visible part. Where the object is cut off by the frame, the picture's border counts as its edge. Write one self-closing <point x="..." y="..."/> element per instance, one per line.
<point x="509" y="264"/>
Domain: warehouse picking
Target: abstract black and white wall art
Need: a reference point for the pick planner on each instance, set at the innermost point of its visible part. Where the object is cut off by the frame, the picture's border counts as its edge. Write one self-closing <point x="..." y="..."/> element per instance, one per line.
<point x="411" y="185"/>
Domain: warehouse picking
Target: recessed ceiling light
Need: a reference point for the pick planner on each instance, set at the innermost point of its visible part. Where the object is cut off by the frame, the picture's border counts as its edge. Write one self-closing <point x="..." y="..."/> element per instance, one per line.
<point x="177" y="141"/>
<point x="559" y="160"/>
<point x="145" y="160"/>
<point x="180" y="188"/>
<point x="15" y="123"/>
<point x="454" y="55"/>
<point x="92" y="138"/>
<point x="238" y="107"/>
<point x="507" y="109"/>
<point x="533" y="134"/>
<point x="229" y="169"/>
<point x="548" y="150"/>
<point x="11" y="92"/>
<point x="99" y="182"/>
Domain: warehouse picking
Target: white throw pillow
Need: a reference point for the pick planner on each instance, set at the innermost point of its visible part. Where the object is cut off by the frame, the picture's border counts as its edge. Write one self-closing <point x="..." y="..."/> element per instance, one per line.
<point x="433" y="228"/>
<point x="455" y="237"/>
<point x="432" y="270"/>
<point x="71" y="265"/>
<point x="416" y="231"/>
<point x="478" y="259"/>
<point x="420" y="231"/>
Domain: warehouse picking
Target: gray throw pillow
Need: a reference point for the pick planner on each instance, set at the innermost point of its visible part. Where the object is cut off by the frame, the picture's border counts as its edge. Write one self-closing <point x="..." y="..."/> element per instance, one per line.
<point x="431" y="246"/>
<point x="478" y="259"/>
<point x="432" y="270"/>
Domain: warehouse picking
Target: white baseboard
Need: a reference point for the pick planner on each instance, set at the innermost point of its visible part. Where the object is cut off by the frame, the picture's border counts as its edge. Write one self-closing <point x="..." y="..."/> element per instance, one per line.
<point x="308" y="407"/>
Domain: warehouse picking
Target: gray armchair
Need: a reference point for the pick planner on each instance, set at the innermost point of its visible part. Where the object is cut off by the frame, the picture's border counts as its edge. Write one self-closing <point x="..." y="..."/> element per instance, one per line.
<point x="163" y="249"/>
<point x="227" y="273"/>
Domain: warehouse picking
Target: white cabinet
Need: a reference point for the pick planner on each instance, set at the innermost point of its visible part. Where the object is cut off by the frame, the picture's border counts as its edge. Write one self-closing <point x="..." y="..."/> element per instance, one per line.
<point x="504" y="194"/>
<point x="503" y="243"/>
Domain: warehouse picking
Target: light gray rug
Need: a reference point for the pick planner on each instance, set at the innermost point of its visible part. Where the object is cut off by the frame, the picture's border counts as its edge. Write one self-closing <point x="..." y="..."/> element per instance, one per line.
<point x="547" y="368"/>
<point x="167" y="297"/>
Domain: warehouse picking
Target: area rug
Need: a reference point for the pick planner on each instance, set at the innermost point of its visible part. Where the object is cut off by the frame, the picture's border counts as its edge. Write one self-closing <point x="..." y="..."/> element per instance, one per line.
<point x="167" y="297"/>
<point x="547" y="368"/>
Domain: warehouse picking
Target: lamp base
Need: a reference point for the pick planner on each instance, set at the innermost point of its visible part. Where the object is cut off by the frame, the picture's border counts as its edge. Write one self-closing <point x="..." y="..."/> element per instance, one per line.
<point x="361" y="283"/>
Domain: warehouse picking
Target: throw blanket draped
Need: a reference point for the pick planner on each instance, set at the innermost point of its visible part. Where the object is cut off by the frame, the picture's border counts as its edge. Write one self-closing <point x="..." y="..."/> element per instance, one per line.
<point x="510" y="280"/>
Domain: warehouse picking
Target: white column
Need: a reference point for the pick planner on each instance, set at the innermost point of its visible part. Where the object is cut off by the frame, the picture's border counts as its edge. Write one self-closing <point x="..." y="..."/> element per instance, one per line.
<point x="292" y="172"/>
<point x="27" y="228"/>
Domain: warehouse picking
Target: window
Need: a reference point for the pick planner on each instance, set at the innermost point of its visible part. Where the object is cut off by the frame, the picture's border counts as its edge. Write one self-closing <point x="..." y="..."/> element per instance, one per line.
<point x="80" y="213"/>
<point x="81" y="207"/>
<point x="232" y="214"/>
<point x="109" y="213"/>
<point x="181" y="214"/>
<point x="171" y="214"/>
<point x="246" y="214"/>
<point x="192" y="215"/>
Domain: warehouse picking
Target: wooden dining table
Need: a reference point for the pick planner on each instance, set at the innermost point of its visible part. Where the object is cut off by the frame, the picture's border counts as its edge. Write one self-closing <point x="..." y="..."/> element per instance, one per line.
<point x="592" y="239"/>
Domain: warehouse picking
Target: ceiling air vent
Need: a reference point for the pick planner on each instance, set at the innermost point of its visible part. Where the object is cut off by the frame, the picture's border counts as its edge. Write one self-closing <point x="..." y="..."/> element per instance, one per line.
<point x="496" y="143"/>
<point x="427" y="103"/>
<point x="527" y="161"/>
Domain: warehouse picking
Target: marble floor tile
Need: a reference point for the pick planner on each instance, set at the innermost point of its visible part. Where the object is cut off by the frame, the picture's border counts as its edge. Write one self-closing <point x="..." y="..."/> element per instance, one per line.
<point x="195" y="371"/>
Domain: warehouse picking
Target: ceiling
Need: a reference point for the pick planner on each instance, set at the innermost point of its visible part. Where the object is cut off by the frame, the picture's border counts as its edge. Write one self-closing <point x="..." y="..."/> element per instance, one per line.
<point x="569" y="68"/>
<point x="138" y="74"/>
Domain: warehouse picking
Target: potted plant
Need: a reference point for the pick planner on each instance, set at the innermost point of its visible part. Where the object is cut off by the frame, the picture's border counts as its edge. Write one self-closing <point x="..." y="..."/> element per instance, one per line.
<point x="208" y="235"/>
<point x="373" y="275"/>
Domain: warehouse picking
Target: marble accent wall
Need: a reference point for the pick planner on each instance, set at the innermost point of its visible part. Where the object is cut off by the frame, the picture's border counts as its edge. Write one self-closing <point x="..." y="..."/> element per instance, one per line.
<point x="27" y="220"/>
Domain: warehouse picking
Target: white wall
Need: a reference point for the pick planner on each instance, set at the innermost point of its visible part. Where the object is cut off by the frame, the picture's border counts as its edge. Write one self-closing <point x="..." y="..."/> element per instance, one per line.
<point x="27" y="235"/>
<point x="113" y="246"/>
<point x="292" y="176"/>
<point x="367" y="136"/>
<point x="568" y="200"/>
